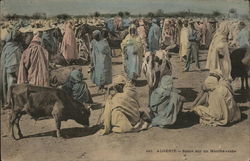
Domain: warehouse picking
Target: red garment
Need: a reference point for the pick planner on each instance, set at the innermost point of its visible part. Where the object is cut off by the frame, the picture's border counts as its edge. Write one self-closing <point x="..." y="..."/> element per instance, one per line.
<point x="34" y="65"/>
<point x="68" y="48"/>
<point x="118" y="23"/>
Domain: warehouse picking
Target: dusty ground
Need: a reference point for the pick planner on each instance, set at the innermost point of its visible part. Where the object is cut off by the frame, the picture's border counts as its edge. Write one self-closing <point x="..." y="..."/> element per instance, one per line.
<point x="187" y="140"/>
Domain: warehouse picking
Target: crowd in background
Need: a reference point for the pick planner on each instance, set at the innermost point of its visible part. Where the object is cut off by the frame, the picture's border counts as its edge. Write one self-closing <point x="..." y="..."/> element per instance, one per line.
<point x="30" y="49"/>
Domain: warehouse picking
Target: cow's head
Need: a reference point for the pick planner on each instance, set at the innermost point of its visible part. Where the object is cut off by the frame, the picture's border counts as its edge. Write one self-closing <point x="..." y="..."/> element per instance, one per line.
<point x="82" y="117"/>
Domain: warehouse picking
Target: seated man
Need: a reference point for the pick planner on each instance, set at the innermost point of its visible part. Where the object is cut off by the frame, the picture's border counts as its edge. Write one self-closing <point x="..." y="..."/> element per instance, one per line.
<point x="216" y="105"/>
<point x="165" y="102"/>
<point x="77" y="87"/>
<point x="121" y="113"/>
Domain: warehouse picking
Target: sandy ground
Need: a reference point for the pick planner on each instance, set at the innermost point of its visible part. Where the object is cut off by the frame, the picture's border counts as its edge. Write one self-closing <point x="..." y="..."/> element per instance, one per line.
<point x="186" y="140"/>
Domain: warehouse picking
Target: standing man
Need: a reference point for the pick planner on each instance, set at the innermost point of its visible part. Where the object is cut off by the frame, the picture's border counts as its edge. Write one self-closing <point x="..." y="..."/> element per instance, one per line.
<point x="242" y="37"/>
<point x="184" y="43"/>
<point x="218" y="57"/>
<point x="142" y="33"/>
<point x="10" y="58"/>
<point x="68" y="47"/>
<point x="34" y="65"/>
<point x="178" y="32"/>
<point x="167" y="33"/>
<point x="101" y="62"/>
<point x="154" y="36"/>
<point x="48" y="40"/>
<point x="193" y="48"/>
<point x="210" y="31"/>
<point x="132" y="50"/>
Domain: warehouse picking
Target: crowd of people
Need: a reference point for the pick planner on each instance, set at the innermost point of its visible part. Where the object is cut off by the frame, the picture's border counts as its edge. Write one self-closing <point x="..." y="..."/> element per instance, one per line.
<point x="27" y="58"/>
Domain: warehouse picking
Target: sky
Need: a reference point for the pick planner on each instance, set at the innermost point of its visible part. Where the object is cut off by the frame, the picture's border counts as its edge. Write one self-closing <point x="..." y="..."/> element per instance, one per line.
<point x="79" y="7"/>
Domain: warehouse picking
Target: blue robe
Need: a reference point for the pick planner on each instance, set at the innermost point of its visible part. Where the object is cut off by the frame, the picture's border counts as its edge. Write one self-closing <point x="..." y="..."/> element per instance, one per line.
<point x="165" y="102"/>
<point x="243" y="38"/>
<point x="101" y="62"/>
<point x="154" y="37"/>
<point x="110" y="24"/>
<point x="126" y="23"/>
<point x="10" y="59"/>
<point x="77" y="87"/>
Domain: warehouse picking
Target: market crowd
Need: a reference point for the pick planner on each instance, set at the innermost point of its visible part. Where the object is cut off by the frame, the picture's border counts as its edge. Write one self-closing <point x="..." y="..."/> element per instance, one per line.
<point x="31" y="49"/>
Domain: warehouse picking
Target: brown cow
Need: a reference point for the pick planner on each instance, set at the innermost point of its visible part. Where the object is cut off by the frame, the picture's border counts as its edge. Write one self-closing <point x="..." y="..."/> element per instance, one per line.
<point x="240" y="62"/>
<point x="41" y="102"/>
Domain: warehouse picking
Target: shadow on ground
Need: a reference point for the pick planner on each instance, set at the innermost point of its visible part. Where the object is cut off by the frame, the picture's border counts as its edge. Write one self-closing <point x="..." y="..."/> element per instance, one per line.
<point x="241" y="96"/>
<point x="97" y="94"/>
<point x="189" y="119"/>
<point x="244" y="108"/>
<point x="116" y="63"/>
<point x="202" y="60"/>
<point x="96" y="106"/>
<point x="197" y="70"/>
<point x="69" y="132"/>
<point x="141" y="83"/>
<point x="243" y="118"/>
<point x="188" y="93"/>
<point x="185" y="120"/>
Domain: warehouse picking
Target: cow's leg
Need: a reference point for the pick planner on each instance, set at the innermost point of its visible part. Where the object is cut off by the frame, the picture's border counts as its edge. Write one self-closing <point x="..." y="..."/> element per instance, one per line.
<point x="242" y="83"/>
<point x="12" y="121"/>
<point x="246" y="79"/>
<point x="57" y="114"/>
<point x="58" y="126"/>
<point x="18" y="126"/>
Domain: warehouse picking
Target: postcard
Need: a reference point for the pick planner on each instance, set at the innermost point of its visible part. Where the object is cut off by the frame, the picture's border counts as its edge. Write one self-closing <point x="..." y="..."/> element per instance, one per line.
<point x="125" y="80"/>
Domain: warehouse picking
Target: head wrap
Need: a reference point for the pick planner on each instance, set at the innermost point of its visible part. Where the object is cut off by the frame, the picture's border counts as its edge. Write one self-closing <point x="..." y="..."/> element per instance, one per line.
<point x="96" y="32"/>
<point x="223" y="28"/>
<point x="141" y="23"/>
<point x="154" y="20"/>
<point x="37" y="39"/>
<point x="12" y="36"/>
<point x="76" y="76"/>
<point x="211" y="82"/>
<point x="216" y="73"/>
<point x="119" y="79"/>
<point x="242" y="24"/>
<point x="166" y="82"/>
<point x="132" y="26"/>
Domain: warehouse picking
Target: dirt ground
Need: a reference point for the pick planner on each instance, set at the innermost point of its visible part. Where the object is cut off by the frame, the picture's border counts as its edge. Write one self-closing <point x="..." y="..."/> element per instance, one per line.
<point x="186" y="140"/>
